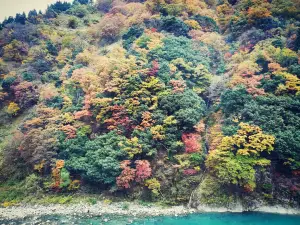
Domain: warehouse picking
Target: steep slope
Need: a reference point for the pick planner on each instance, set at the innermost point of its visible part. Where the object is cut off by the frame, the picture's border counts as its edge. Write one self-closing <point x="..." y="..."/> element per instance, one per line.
<point x="151" y="100"/>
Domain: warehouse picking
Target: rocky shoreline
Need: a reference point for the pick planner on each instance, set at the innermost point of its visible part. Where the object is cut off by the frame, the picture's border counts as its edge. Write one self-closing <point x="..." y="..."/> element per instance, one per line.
<point x="133" y="210"/>
<point x="98" y="209"/>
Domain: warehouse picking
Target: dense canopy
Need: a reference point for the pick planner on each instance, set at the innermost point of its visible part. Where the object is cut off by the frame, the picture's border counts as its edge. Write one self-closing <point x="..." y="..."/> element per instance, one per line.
<point x="143" y="98"/>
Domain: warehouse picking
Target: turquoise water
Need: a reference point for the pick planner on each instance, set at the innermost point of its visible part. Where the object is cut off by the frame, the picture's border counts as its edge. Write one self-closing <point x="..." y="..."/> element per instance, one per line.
<point x="194" y="219"/>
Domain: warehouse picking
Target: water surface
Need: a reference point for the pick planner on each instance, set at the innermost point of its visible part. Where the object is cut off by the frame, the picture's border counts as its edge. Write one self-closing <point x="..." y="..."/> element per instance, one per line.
<point x="193" y="219"/>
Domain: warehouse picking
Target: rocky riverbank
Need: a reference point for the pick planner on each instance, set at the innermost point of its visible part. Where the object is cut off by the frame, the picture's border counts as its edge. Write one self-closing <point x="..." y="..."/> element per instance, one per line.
<point x="126" y="209"/>
<point x="98" y="209"/>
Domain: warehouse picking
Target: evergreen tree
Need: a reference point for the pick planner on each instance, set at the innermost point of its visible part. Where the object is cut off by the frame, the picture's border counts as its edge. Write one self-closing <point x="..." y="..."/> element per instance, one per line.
<point x="32" y="16"/>
<point x="20" y="18"/>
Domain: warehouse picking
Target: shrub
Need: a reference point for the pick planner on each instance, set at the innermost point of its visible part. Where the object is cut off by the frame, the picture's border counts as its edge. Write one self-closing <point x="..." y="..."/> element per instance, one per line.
<point x="197" y="158"/>
<point x="55" y="102"/>
<point x="287" y="57"/>
<point x="143" y="170"/>
<point x="127" y="175"/>
<point x="51" y="77"/>
<point x="73" y="23"/>
<point x="32" y="184"/>
<point x="92" y="201"/>
<point x="8" y="204"/>
<point x="74" y="185"/>
<point x="65" y="200"/>
<point x="125" y="206"/>
<point x="58" y="199"/>
<point x="11" y="193"/>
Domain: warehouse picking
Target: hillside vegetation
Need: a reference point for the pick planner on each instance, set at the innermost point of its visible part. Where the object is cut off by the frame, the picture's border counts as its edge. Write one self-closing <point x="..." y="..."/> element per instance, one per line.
<point x="150" y="99"/>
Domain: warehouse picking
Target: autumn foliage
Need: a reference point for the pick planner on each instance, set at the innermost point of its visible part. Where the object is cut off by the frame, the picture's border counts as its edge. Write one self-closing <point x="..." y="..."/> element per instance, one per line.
<point x="127" y="175"/>
<point x="153" y="98"/>
<point x="141" y="172"/>
<point x="191" y="142"/>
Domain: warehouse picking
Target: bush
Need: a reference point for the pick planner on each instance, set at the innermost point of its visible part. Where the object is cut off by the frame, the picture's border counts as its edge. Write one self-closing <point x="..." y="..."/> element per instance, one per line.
<point x="92" y="201"/>
<point x="60" y="199"/>
<point x="287" y="57"/>
<point x="125" y="206"/>
<point x="83" y="2"/>
<point x="11" y="192"/>
<point x="111" y="26"/>
<point x="197" y="158"/>
<point x="73" y="23"/>
<point x="15" y="50"/>
<point x="32" y="184"/>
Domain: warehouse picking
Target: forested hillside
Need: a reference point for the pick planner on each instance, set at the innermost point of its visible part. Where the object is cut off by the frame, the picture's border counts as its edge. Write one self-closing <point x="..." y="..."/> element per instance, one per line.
<point x="152" y="100"/>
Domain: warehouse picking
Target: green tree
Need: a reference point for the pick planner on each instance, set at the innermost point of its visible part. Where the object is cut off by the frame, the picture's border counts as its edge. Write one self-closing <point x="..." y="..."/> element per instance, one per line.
<point x="187" y="108"/>
<point x="100" y="159"/>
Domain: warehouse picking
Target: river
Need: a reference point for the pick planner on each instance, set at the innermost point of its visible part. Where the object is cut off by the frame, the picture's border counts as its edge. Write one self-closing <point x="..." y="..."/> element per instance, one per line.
<point x="192" y="219"/>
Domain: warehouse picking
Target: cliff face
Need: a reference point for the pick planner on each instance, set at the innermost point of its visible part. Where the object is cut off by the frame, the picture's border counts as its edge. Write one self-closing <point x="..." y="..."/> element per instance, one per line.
<point x="155" y="100"/>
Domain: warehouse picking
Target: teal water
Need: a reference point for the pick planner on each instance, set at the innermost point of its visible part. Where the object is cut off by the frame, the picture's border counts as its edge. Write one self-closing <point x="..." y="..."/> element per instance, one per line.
<point x="193" y="219"/>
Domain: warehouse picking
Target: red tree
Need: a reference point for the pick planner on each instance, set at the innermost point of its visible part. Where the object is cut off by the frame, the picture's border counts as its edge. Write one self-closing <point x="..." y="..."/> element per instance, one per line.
<point x="178" y="85"/>
<point x="126" y="176"/>
<point x="143" y="170"/>
<point x="25" y="94"/>
<point x="69" y="130"/>
<point x="191" y="142"/>
<point x="155" y="68"/>
<point x="119" y="119"/>
<point x="82" y="114"/>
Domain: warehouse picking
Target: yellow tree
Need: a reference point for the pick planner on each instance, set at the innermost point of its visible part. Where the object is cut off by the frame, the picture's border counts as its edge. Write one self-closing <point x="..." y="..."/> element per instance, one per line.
<point x="13" y="108"/>
<point x="234" y="159"/>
